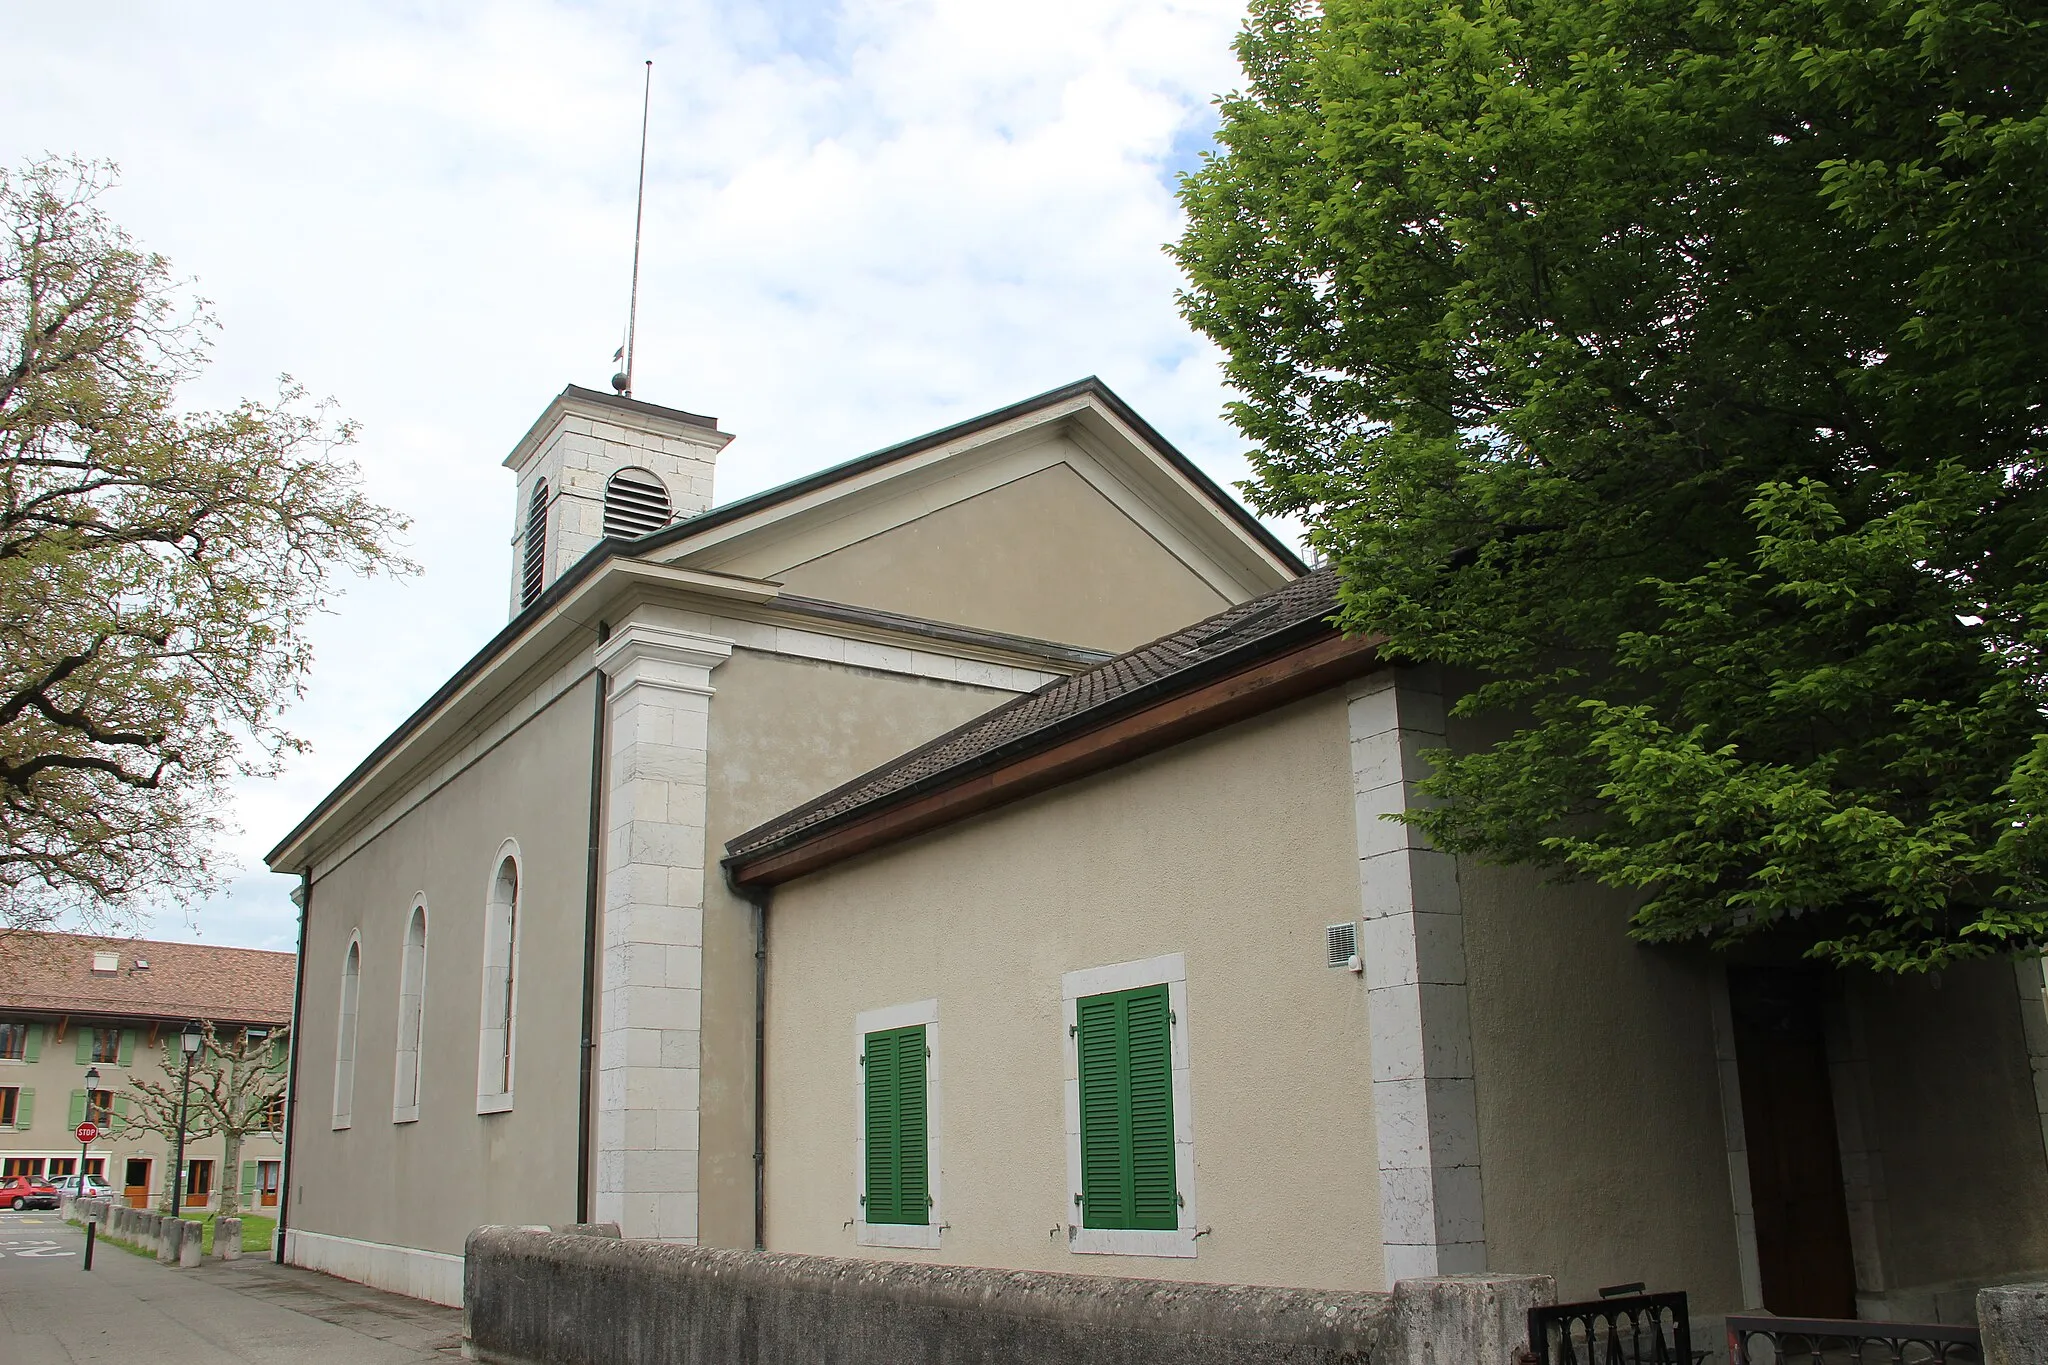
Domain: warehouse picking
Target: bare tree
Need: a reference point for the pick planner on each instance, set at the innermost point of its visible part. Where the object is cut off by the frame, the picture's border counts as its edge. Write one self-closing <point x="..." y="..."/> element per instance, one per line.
<point x="237" y="1082"/>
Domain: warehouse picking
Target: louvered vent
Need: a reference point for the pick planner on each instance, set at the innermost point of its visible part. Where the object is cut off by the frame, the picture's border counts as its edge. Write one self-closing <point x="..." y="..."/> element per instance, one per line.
<point x="635" y="504"/>
<point x="1343" y="943"/>
<point x="536" y="545"/>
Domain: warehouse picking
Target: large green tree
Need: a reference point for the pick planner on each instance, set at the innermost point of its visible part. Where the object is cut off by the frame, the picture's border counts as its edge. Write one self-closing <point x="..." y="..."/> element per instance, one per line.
<point x="1676" y="370"/>
<point x="158" y="565"/>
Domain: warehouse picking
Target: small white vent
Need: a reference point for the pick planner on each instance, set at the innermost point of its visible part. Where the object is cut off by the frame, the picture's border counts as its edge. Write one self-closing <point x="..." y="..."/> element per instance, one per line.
<point x="1343" y="942"/>
<point x="635" y="504"/>
<point x="106" y="963"/>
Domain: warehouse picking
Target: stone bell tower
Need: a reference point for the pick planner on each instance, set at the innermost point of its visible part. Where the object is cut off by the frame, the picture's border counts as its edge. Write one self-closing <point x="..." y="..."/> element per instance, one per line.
<point x="597" y="464"/>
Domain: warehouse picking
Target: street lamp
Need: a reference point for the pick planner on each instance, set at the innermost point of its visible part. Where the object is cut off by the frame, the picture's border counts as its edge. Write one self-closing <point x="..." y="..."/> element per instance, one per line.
<point x="188" y="1043"/>
<point x="92" y="1085"/>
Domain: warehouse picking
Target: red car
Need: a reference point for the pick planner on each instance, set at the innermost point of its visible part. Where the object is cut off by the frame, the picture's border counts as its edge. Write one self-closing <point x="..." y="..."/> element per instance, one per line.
<point x="19" y="1192"/>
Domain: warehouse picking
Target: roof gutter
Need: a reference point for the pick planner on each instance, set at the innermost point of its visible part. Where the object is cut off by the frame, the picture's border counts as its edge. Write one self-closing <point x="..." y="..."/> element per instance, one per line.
<point x="1231" y="689"/>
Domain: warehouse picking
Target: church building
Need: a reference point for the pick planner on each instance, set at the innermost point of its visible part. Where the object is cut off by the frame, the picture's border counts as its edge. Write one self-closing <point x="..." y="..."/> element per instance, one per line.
<point x="527" y="995"/>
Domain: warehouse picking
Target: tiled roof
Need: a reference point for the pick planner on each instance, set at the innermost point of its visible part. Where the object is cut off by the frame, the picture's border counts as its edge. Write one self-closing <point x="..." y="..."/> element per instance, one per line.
<point x="1069" y="703"/>
<point x="53" y="973"/>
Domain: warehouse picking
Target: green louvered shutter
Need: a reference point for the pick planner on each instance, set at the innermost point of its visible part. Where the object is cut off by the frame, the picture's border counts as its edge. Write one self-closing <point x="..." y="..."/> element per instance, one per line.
<point x="898" y="1179"/>
<point x="878" y="1077"/>
<point x="119" y="1118"/>
<point x="25" y="1109"/>
<point x="1125" y="1049"/>
<point x="34" y="1047"/>
<point x="249" y="1178"/>
<point x="127" y="1047"/>
<point x="77" y="1107"/>
<point x="85" y="1047"/>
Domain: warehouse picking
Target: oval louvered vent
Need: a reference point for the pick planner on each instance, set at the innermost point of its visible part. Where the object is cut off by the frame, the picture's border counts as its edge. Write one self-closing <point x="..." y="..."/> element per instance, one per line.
<point x="536" y="544"/>
<point x="635" y="504"/>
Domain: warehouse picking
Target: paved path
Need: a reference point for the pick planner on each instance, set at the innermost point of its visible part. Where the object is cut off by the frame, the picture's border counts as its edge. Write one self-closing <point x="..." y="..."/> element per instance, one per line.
<point x="131" y="1311"/>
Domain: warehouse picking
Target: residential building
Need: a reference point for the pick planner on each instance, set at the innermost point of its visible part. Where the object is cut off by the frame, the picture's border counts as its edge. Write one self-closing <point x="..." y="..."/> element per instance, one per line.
<point x="528" y="997"/>
<point x="1134" y="975"/>
<point x="75" y="1004"/>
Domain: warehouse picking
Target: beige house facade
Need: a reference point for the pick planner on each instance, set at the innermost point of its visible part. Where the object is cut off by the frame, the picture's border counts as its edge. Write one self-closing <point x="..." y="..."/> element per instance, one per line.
<point x="527" y="993"/>
<point x="1132" y="976"/>
<point x="81" y="1016"/>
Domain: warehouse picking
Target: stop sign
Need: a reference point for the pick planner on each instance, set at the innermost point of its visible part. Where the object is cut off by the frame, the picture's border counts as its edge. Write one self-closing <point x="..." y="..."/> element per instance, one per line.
<point x="86" y="1132"/>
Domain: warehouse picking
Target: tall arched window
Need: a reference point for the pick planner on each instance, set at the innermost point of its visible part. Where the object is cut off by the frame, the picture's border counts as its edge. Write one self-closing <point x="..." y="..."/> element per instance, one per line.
<point x="535" y="562"/>
<point x="345" y="1034"/>
<point x="412" y="1003"/>
<point x="635" y="504"/>
<point x="496" y="1036"/>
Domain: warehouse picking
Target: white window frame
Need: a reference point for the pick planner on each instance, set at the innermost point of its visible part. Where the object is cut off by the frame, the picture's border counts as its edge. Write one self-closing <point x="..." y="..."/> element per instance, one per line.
<point x="926" y="1237"/>
<point x="402" y="1112"/>
<point x="1171" y="970"/>
<point x="347" y="1029"/>
<point x="497" y="1043"/>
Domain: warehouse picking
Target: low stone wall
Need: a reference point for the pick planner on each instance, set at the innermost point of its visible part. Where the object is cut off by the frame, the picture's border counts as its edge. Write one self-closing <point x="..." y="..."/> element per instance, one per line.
<point x="2014" y="1321"/>
<point x="536" y="1298"/>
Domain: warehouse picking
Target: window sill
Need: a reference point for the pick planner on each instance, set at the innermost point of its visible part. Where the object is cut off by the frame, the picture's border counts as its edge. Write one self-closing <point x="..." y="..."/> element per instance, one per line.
<point x="920" y="1236"/>
<point x="494" y="1104"/>
<point x="342" y="1121"/>
<point x="410" y="1114"/>
<point x="1179" y="1243"/>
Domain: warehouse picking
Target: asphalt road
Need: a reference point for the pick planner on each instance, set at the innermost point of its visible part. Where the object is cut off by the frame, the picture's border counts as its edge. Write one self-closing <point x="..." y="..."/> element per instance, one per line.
<point x="129" y="1309"/>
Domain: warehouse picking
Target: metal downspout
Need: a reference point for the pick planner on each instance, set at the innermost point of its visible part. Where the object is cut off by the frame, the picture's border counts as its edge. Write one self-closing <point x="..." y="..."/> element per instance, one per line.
<point x="291" y="1077"/>
<point x="590" y="908"/>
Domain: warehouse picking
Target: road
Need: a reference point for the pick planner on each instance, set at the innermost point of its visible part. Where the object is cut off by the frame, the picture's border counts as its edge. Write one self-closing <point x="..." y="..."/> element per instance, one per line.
<point x="129" y="1309"/>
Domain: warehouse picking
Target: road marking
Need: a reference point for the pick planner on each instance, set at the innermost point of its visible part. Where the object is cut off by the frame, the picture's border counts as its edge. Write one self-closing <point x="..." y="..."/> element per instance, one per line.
<point x="35" y="1249"/>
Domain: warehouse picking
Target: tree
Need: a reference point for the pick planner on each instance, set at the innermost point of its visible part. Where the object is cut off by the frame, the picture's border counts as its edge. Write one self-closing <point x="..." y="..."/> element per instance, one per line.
<point x="1675" y="370"/>
<point x="157" y="567"/>
<point x="237" y="1079"/>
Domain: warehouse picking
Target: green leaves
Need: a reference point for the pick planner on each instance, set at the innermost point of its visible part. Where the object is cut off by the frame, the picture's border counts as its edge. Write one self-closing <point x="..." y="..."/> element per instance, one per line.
<point x="1675" y="372"/>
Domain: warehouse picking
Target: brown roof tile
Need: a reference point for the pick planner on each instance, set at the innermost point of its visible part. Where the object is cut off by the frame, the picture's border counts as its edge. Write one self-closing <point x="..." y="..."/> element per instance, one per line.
<point x="1082" y="699"/>
<point x="52" y="974"/>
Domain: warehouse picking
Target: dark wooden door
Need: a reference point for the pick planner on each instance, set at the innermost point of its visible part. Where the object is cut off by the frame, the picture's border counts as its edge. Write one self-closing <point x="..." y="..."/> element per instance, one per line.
<point x="1788" y="1117"/>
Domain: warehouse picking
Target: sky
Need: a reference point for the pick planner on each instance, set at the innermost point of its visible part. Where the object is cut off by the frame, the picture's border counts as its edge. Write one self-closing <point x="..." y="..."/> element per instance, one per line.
<point x="865" y="220"/>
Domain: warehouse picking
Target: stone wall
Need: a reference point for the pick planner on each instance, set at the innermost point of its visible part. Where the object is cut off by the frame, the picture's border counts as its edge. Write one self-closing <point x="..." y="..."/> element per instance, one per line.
<point x="533" y="1298"/>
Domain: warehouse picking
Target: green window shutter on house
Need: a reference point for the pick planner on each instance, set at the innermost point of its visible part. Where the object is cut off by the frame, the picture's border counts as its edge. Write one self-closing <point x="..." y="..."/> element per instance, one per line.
<point x="77" y="1107"/>
<point x="898" y="1179"/>
<point x="127" y="1047"/>
<point x="25" y="1108"/>
<point x="33" y="1048"/>
<point x="249" y="1177"/>
<point x="85" y="1047"/>
<point x="1124" y="1042"/>
<point x="120" y="1115"/>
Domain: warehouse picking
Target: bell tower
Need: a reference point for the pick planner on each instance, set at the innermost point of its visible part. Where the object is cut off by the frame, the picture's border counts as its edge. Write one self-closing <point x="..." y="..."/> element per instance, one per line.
<point x="597" y="464"/>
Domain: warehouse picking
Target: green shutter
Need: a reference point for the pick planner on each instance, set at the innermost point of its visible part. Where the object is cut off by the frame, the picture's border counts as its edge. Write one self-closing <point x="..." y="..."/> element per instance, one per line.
<point x="127" y="1047"/>
<point x="120" y="1116"/>
<point x="85" y="1047"/>
<point x="898" y="1181"/>
<point x="249" y="1177"/>
<point x="77" y="1107"/>
<point x="25" y="1109"/>
<point x="1124" y="1043"/>
<point x="34" y="1047"/>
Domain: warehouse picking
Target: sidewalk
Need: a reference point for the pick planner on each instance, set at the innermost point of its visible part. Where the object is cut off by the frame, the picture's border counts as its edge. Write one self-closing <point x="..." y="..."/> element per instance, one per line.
<point x="130" y="1309"/>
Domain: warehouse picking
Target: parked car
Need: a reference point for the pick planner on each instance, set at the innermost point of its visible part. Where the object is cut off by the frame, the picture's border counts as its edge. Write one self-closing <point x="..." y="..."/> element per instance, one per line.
<point x="95" y="1188"/>
<point x="19" y="1192"/>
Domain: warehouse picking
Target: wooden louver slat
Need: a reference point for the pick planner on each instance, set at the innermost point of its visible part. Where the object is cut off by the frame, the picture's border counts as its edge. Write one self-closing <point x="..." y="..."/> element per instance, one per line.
<point x="635" y="504"/>
<point x="535" y="561"/>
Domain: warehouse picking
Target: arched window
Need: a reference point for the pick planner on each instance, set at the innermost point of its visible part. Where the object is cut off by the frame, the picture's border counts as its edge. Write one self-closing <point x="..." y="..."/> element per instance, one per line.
<point x="635" y="504"/>
<point x="412" y="1001"/>
<point x="345" y="1034"/>
<point x="531" y="567"/>
<point x="495" y="1031"/>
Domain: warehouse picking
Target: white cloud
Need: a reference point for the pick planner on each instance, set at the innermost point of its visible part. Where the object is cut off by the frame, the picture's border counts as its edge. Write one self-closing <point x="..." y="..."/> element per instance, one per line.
<point x="865" y="220"/>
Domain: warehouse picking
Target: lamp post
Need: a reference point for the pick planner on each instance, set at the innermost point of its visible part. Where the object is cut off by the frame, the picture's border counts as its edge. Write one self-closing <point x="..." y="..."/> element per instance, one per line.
<point x="92" y="1085"/>
<point x="188" y="1043"/>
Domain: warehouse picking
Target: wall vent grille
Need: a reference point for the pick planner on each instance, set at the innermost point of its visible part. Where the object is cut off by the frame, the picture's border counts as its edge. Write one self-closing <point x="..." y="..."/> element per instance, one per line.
<point x="635" y="504"/>
<point x="1343" y="943"/>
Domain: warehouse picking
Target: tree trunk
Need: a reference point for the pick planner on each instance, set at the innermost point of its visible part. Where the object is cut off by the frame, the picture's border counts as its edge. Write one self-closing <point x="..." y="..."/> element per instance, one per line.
<point x="170" y="1164"/>
<point x="231" y="1173"/>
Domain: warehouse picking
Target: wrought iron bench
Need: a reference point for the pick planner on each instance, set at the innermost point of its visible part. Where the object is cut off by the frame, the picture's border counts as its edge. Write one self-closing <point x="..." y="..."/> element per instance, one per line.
<point x="1832" y="1341"/>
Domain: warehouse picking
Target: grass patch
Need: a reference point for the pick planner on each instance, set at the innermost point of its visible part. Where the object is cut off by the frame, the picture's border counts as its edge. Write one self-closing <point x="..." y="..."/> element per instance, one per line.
<point x="256" y="1233"/>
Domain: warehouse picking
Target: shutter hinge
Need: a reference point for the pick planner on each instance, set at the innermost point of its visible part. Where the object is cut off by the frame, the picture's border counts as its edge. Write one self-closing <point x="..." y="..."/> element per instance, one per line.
<point x="863" y="1200"/>
<point x="930" y="1202"/>
<point x="1073" y="1029"/>
<point x="1180" y="1201"/>
<point x="1077" y="1201"/>
<point x="863" y="1060"/>
<point x="1172" y="1018"/>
